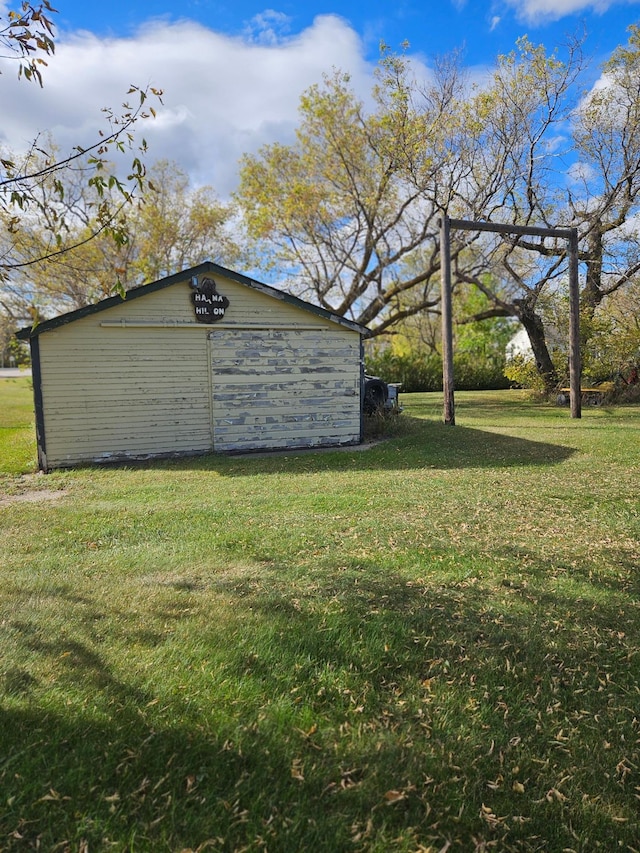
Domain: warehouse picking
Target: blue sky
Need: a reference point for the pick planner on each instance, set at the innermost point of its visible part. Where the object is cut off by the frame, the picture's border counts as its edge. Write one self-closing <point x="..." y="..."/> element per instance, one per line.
<point x="232" y="74"/>
<point x="481" y="29"/>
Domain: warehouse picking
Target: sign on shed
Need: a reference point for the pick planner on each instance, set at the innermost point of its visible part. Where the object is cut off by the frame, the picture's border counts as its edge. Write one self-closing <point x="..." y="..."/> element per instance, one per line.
<point x="204" y="360"/>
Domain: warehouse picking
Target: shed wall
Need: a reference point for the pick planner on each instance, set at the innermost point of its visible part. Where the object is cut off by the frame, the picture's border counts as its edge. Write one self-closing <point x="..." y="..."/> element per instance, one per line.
<point x="138" y="379"/>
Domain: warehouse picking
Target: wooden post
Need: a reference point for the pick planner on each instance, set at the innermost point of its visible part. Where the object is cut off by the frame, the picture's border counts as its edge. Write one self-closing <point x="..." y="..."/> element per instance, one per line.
<point x="569" y="234"/>
<point x="447" y="333"/>
<point x="575" y="367"/>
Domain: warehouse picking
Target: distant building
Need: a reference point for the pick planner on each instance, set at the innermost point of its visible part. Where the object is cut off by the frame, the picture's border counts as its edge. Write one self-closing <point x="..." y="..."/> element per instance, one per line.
<point x="519" y="345"/>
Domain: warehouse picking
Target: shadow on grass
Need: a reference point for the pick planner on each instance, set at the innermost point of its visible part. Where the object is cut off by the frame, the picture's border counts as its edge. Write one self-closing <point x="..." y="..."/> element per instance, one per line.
<point x="358" y="711"/>
<point x="416" y="444"/>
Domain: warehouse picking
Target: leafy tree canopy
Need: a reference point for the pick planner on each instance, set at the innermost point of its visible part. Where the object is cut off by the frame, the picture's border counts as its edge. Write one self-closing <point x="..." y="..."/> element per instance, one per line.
<point x="33" y="184"/>
<point x="171" y="227"/>
<point x="350" y="210"/>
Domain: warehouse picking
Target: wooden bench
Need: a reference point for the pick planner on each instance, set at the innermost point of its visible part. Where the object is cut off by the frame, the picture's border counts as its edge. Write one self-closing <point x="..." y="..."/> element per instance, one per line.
<point x="593" y="396"/>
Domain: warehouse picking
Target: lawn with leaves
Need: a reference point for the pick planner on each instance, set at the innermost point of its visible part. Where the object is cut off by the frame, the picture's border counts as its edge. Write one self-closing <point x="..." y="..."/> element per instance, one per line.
<point x="430" y="644"/>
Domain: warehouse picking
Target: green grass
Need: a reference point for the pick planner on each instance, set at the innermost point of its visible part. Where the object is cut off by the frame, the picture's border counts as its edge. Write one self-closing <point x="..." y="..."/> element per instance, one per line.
<point x="431" y="644"/>
<point x="17" y="432"/>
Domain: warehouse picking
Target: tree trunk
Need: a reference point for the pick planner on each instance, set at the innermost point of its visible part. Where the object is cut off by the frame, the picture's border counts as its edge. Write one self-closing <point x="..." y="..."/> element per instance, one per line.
<point x="592" y="295"/>
<point x="535" y="330"/>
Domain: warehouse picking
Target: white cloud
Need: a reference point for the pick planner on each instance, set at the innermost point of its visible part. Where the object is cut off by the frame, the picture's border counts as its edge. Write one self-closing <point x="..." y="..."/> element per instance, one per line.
<point x="580" y="173"/>
<point x="223" y="96"/>
<point x="269" y="27"/>
<point x="542" y="11"/>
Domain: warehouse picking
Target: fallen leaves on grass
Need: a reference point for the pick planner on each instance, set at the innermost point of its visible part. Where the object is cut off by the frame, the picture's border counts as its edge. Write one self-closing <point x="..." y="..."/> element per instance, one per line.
<point x="394" y="796"/>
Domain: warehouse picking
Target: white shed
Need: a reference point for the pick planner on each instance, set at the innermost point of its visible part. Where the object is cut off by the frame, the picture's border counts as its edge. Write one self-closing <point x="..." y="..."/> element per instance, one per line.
<point x="204" y="360"/>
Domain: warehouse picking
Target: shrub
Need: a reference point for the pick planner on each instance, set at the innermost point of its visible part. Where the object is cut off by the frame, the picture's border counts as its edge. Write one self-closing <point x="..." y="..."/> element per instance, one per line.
<point x="521" y="371"/>
<point x="473" y="374"/>
<point x="418" y="371"/>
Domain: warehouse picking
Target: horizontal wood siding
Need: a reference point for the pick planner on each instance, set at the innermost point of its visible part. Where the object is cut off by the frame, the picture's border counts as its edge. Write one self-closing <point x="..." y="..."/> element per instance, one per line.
<point x="120" y="393"/>
<point x="246" y="307"/>
<point x="277" y="388"/>
<point x="134" y="380"/>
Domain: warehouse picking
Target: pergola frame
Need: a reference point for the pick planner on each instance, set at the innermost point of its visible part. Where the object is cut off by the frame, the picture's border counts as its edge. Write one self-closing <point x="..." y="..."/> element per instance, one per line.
<point x="568" y="234"/>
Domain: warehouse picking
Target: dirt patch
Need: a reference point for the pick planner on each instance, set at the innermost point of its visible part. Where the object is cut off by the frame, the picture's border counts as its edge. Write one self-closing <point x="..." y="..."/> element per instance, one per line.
<point x="32" y="496"/>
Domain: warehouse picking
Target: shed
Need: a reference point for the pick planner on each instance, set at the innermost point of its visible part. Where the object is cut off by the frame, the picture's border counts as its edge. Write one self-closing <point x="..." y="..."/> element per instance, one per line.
<point x="204" y="360"/>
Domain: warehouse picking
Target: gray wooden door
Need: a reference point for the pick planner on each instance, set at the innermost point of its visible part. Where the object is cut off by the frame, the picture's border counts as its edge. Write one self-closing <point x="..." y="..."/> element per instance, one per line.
<point x="284" y="388"/>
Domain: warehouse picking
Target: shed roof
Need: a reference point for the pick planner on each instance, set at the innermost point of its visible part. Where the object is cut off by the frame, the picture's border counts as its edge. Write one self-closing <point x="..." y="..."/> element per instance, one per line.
<point x="205" y="267"/>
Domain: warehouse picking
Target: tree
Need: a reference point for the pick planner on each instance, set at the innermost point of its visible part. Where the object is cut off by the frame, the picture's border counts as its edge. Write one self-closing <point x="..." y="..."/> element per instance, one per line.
<point x="606" y="201"/>
<point x="614" y="350"/>
<point x="28" y="36"/>
<point x="527" y="102"/>
<point x="351" y="208"/>
<point x="178" y="226"/>
<point x="169" y="227"/>
<point x="598" y="192"/>
<point x="345" y="210"/>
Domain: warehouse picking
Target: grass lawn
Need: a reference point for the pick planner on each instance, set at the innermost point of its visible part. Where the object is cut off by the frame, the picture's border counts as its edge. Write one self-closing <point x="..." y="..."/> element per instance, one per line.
<point x="429" y="645"/>
<point x="17" y="430"/>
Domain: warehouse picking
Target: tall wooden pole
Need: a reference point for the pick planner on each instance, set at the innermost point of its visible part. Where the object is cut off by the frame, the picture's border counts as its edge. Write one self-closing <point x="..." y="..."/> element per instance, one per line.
<point x="575" y="367"/>
<point x="447" y="333"/>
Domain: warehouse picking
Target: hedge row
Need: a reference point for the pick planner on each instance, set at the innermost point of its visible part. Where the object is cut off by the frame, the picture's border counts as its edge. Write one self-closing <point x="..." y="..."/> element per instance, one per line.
<point x="423" y="372"/>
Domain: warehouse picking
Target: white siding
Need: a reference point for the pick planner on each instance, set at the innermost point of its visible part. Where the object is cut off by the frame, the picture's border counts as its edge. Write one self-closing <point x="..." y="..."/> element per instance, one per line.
<point x="247" y="307"/>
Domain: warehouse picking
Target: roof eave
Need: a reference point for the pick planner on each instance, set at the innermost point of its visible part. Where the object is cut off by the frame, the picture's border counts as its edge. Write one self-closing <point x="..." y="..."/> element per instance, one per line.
<point x="206" y="266"/>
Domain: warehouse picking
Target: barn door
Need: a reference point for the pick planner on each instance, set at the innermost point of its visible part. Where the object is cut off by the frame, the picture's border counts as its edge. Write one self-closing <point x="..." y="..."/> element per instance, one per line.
<point x="278" y="388"/>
